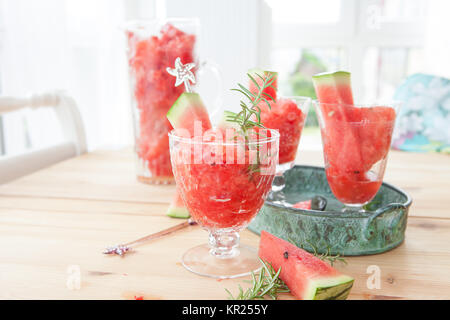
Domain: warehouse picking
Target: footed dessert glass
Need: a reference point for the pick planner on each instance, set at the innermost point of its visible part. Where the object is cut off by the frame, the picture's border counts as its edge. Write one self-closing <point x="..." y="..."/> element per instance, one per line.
<point x="224" y="181"/>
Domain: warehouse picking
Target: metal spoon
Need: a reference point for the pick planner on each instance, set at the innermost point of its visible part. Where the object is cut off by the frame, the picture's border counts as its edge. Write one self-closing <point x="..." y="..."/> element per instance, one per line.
<point x="121" y="249"/>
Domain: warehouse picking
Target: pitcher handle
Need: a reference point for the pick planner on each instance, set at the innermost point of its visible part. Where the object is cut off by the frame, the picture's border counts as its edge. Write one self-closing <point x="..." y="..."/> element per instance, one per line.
<point x="216" y="70"/>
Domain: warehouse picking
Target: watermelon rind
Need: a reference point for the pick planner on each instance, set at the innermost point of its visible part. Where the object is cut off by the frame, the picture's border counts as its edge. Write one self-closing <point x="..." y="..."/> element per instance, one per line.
<point x="334" y="288"/>
<point x="262" y="72"/>
<point x="331" y="77"/>
<point x="178" y="212"/>
<point x="185" y="100"/>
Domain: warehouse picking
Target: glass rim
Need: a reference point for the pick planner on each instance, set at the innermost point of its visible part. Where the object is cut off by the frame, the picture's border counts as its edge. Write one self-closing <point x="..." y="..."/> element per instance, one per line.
<point x="381" y="103"/>
<point x="303" y="102"/>
<point x="274" y="136"/>
<point x="303" y="98"/>
<point x="136" y="24"/>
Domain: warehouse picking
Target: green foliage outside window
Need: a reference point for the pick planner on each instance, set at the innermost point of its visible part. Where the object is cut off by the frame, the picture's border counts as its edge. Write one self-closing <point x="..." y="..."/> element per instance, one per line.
<point x="301" y="80"/>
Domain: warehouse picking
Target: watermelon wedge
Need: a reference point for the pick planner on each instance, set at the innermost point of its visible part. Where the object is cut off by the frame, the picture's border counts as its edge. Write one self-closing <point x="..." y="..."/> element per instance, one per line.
<point x="189" y="113"/>
<point x="308" y="277"/>
<point x="341" y="137"/>
<point x="269" y="93"/>
<point x="333" y="87"/>
<point x="177" y="208"/>
<point x="305" y="205"/>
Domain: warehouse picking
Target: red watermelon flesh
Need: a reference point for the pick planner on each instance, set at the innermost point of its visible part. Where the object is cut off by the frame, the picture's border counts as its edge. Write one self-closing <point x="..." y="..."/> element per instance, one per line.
<point x="154" y="91"/>
<point x="270" y="93"/>
<point x="307" y="277"/>
<point x="306" y="205"/>
<point x="375" y="134"/>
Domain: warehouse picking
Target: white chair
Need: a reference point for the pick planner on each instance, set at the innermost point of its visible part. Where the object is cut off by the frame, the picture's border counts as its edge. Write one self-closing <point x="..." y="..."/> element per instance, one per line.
<point x="13" y="167"/>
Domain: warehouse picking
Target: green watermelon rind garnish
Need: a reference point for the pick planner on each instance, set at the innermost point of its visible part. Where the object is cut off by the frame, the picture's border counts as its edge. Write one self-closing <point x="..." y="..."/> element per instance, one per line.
<point x="262" y="72"/>
<point x="332" y="76"/>
<point x="188" y="107"/>
<point x="177" y="209"/>
<point x="336" y="288"/>
<point x="178" y="212"/>
<point x="333" y="87"/>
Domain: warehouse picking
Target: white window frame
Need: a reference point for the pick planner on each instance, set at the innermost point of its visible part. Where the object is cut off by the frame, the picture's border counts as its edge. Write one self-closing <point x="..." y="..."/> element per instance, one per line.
<point x="352" y="34"/>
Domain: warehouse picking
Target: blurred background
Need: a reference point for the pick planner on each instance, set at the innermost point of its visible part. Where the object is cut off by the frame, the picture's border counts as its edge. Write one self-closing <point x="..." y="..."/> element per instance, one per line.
<point x="78" y="46"/>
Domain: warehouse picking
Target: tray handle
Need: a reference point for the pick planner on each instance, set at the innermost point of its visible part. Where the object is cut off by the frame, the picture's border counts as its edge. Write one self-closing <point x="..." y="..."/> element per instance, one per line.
<point x="369" y="230"/>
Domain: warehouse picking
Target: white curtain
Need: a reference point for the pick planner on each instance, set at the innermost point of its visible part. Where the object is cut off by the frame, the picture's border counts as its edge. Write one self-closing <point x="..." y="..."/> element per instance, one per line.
<point x="78" y="46"/>
<point x="73" y="45"/>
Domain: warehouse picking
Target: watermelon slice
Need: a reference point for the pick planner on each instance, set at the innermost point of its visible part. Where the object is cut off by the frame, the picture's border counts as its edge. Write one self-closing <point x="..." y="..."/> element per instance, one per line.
<point x="270" y="93"/>
<point x="184" y="114"/>
<point x="188" y="112"/>
<point x="177" y="208"/>
<point x="308" y="277"/>
<point x="333" y="87"/>
<point x="305" y="205"/>
<point x="341" y="138"/>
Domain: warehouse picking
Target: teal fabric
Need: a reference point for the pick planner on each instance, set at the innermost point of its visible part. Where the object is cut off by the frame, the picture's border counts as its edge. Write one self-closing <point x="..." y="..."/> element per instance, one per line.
<point x="423" y="124"/>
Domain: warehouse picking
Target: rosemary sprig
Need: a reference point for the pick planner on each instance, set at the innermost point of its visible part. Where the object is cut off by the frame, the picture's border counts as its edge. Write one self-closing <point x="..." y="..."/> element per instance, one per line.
<point x="266" y="284"/>
<point x="250" y="115"/>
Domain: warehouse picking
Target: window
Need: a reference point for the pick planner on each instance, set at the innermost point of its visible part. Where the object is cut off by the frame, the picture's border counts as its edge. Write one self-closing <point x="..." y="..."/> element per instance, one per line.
<point x="379" y="41"/>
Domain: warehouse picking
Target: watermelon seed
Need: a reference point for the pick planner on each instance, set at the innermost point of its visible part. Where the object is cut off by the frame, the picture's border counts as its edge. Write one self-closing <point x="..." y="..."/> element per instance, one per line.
<point x="286" y="255"/>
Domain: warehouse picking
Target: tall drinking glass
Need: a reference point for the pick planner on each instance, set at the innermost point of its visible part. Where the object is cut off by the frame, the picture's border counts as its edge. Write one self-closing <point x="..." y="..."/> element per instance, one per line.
<point x="356" y="140"/>
<point x="288" y="116"/>
<point x="224" y="180"/>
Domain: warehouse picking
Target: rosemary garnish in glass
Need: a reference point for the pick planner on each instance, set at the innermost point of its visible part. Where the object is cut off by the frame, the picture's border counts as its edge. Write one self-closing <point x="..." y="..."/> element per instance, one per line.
<point x="250" y="115"/>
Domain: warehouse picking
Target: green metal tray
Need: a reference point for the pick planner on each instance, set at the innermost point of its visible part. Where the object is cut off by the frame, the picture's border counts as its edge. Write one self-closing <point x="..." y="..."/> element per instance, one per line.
<point x="378" y="230"/>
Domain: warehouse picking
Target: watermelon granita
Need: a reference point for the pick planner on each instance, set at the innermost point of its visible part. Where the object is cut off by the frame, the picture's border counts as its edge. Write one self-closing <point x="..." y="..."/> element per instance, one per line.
<point x="356" y="139"/>
<point x="222" y="190"/>
<point x="287" y="115"/>
<point x="307" y="277"/>
<point x="153" y="93"/>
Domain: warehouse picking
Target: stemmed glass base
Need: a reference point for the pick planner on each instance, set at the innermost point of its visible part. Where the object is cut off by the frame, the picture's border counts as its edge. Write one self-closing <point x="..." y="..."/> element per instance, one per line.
<point x="222" y="258"/>
<point x="353" y="208"/>
<point x="279" y="182"/>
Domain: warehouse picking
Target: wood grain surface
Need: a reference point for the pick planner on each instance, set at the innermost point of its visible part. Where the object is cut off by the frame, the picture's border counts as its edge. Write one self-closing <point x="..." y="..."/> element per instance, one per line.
<point x="57" y="221"/>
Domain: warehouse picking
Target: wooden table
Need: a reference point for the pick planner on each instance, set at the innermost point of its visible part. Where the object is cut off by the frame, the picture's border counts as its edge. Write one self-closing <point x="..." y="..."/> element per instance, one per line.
<point x="58" y="220"/>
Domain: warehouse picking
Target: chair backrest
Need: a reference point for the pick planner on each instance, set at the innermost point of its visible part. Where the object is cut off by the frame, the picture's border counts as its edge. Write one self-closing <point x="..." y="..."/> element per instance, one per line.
<point x="12" y="167"/>
<point x="422" y="124"/>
